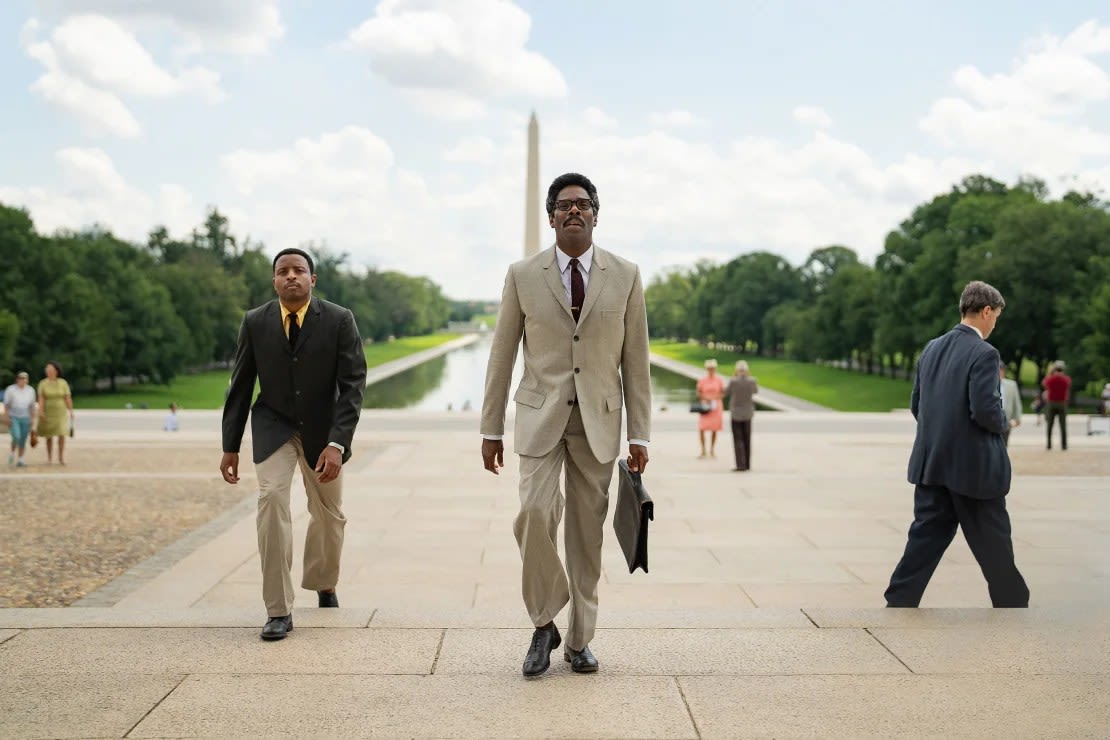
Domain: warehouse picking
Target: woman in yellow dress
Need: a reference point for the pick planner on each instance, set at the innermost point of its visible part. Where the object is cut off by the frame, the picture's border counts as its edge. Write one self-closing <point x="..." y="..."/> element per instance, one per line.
<point x="55" y="411"/>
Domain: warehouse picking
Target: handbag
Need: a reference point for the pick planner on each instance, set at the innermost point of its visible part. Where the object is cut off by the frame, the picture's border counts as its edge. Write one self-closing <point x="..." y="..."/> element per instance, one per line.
<point x="701" y="407"/>
<point x="630" y="521"/>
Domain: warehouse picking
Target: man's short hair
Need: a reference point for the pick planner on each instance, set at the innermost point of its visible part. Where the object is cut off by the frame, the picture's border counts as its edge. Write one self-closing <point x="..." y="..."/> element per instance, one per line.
<point x="565" y="181"/>
<point x="294" y="250"/>
<point x="978" y="295"/>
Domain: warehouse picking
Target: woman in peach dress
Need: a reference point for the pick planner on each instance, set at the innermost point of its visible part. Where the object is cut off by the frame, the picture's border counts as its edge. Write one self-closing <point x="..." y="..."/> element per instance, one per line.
<point x="711" y="389"/>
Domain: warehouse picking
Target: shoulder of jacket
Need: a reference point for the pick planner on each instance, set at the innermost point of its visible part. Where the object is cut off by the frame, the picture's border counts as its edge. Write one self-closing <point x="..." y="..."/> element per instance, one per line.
<point x="259" y="310"/>
<point x="617" y="261"/>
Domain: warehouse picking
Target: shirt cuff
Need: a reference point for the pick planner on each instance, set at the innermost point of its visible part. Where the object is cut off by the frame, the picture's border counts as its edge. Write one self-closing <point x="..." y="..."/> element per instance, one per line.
<point x="493" y="437"/>
<point x="641" y="442"/>
<point x="337" y="446"/>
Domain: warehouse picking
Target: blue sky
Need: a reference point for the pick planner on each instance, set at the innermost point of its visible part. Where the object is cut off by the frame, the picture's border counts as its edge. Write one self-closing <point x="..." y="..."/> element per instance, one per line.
<point x="395" y="130"/>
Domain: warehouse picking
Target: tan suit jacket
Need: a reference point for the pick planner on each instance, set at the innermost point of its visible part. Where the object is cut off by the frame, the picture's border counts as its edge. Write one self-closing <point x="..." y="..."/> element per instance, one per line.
<point x="602" y="361"/>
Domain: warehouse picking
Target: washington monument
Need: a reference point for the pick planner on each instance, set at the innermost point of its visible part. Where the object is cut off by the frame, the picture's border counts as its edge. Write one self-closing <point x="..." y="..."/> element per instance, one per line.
<point x="532" y="191"/>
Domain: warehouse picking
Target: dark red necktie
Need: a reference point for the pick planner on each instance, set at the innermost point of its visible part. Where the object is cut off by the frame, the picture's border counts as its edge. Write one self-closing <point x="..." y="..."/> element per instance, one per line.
<point x="577" y="290"/>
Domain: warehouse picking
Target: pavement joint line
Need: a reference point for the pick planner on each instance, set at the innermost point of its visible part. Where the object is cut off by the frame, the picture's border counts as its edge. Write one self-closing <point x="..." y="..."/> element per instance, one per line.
<point x="156" y="705"/>
<point x="142" y="573"/>
<point x="804" y="612"/>
<point x="371" y="619"/>
<point x="686" y="703"/>
<point x="747" y="595"/>
<point x="876" y="639"/>
<point x="439" y="649"/>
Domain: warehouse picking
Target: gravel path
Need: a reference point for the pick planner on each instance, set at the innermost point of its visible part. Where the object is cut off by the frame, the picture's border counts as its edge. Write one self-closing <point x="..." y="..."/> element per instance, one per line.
<point x="68" y="533"/>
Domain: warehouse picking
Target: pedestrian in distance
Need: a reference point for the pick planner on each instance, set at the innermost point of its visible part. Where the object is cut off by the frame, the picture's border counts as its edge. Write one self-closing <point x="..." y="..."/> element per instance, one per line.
<point x="308" y="359"/>
<point x="711" y="392"/>
<point x="1011" y="402"/>
<point x="56" y="417"/>
<point x="1057" y="393"/>
<point x="20" y="403"/>
<point x="741" y="389"/>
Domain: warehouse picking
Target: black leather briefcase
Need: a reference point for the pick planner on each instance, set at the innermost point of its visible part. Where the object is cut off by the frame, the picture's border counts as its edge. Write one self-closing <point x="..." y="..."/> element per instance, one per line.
<point x="630" y="521"/>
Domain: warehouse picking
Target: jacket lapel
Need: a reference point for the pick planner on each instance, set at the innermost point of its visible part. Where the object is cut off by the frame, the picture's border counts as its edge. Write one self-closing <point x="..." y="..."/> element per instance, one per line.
<point x="554" y="281"/>
<point x="598" y="278"/>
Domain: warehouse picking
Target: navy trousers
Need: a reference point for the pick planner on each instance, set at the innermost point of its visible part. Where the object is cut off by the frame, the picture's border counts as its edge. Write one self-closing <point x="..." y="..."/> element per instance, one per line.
<point x="986" y="526"/>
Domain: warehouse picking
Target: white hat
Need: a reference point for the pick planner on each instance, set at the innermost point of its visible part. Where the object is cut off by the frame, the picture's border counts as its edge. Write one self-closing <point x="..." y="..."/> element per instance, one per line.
<point x="710" y="363"/>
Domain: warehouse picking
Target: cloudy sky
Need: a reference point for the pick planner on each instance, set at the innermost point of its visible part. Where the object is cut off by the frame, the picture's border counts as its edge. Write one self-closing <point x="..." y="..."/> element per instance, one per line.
<point x="395" y="130"/>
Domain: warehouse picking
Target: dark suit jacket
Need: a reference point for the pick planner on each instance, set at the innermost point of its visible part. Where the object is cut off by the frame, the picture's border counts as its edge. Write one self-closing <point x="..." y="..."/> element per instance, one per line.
<point x="957" y="402"/>
<point x="314" y="389"/>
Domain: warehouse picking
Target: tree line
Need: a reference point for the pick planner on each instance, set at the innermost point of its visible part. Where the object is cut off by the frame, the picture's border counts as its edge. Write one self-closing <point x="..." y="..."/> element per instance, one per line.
<point x="106" y="308"/>
<point x="1050" y="258"/>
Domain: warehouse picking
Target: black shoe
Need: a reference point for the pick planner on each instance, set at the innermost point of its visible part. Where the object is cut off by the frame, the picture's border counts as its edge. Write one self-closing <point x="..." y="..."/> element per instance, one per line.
<point x="538" y="659"/>
<point x="327" y="598"/>
<point x="581" y="661"/>
<point x="277" y="627"/>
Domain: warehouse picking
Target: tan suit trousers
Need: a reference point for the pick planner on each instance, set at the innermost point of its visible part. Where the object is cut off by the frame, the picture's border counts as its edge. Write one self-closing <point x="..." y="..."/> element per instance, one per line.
<point x="323" y="542"/>
<point x="545" y="584"/>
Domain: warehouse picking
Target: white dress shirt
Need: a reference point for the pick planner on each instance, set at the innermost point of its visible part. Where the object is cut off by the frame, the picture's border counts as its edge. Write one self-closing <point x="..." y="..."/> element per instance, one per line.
<point x="584" y="264"/>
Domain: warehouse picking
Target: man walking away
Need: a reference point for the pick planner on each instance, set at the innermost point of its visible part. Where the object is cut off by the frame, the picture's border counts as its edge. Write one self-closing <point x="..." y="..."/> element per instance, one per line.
<point x="959" y="464"/>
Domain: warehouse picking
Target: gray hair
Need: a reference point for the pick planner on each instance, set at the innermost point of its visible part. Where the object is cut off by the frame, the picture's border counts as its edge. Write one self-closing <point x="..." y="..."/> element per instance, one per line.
<point x="978" y="295"/>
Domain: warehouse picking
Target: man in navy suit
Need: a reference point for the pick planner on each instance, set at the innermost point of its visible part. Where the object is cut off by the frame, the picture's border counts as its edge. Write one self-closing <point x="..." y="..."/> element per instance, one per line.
<point x="959" y="462"/>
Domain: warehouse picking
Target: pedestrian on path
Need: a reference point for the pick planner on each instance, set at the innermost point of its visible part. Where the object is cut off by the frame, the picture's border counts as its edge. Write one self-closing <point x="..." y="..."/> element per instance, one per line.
<point x="1057" y="390"/>
<point x="742" y="387"/>
<point x="55" y="411"/>
<point x="585" y="358"/>
<point x="1011" y="402"/>
<point x="711" y="392"/>
<point x="19" y="405"/>
<point x="959" y="465"/>
<point x="308" y="359"/>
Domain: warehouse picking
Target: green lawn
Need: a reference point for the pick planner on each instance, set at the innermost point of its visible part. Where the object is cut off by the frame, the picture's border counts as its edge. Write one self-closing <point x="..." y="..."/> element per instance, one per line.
<point x="843" y="390"/>
<point x="206" y="390"/>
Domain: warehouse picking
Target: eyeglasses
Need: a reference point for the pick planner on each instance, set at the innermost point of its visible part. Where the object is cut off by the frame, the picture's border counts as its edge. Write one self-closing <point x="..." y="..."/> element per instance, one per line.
<point x="584" y="204"/>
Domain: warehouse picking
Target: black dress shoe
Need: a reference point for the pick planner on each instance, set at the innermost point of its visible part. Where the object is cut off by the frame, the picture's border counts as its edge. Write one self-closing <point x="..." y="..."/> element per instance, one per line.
<point x="277" y="627"/>
<point x="581" y="661"/>
<point x="538" y="659"/>
<point x="327" y="598"/>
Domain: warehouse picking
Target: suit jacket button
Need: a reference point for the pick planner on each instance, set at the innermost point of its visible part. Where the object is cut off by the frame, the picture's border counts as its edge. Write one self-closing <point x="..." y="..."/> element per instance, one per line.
<point x="576" y="337"/>
<point x="294" y="359"/>
<point x="570" y="403"/>
<point x="577" y="370"/>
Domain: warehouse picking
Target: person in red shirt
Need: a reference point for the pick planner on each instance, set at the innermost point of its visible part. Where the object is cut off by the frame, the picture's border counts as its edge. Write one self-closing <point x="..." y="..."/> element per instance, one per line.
<point x="1057" y="390"/>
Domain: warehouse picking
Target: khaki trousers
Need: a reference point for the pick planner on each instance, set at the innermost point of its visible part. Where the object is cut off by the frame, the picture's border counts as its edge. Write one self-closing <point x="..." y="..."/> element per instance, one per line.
<point x="323" y="542"/>
<point x="544" y="584"/>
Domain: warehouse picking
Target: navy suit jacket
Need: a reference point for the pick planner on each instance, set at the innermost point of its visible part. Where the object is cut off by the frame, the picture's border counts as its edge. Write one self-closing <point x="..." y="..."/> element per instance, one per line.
<point x="313" y="389"/>
<point x="957" y="402"/>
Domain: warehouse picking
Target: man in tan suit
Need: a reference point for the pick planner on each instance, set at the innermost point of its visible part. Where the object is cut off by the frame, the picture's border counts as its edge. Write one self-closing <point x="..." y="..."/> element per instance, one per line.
<point x="580" y="312"/>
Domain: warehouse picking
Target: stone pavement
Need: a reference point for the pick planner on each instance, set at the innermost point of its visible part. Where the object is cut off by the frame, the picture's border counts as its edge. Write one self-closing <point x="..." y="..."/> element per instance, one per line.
<point x="761" y="616"/>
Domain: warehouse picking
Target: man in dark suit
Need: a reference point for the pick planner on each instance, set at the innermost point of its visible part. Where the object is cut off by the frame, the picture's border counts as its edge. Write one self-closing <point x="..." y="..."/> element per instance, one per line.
<point x="959" y="462"/>
<point x="308" y="358"/>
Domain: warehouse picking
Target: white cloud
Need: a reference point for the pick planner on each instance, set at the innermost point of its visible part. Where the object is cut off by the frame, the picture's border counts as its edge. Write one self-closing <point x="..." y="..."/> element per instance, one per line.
<point x="472" y="50"/>
<point x="812" y="115"/>
<point x="673" y="119"/>
<point x="472" y="149"/>
<point x="1032" y="118"/>
<point x="90" y="190"/>
<point x="91" y="62"/>
<point x="345" y="188"/>
<point x="235" y="26"/>
<point x="598" y="118"/>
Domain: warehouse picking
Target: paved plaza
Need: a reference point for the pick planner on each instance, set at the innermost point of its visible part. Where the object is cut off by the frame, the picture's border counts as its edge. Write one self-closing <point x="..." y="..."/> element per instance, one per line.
<point x="761" y="617"/>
